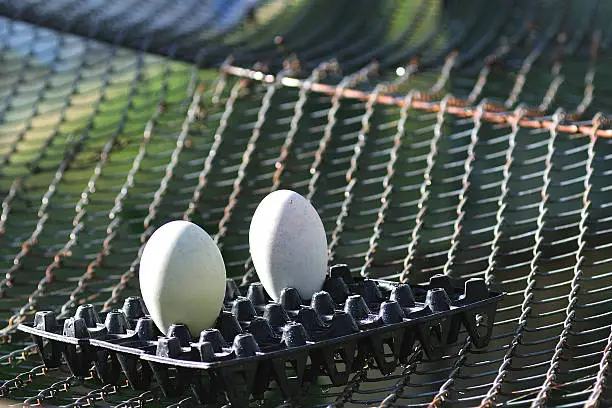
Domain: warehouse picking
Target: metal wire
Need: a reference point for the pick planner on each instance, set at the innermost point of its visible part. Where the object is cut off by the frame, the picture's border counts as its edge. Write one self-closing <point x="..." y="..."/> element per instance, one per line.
<point x="429" y="142"/>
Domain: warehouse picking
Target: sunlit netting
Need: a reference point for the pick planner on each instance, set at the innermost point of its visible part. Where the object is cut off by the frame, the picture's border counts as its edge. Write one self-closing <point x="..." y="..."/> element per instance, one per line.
<point x="431" y="137"/>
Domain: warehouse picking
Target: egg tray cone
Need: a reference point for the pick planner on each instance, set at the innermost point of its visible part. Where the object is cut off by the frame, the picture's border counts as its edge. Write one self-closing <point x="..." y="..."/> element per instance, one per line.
<point x="257" y="341"/>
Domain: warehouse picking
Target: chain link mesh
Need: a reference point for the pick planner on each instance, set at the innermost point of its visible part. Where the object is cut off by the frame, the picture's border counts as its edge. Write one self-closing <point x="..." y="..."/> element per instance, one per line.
<point x="432" y="138"/>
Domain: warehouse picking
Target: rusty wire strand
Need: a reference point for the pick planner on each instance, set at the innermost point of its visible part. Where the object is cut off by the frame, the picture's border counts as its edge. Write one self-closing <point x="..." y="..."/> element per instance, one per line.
<point x="351" y="387"/>
<point x="32" y="241"/>
<point x="601" y="380"/>
<point x="22" y="380"/>
<point x="20" y="182"/>
<point x="80" y="210"/>
<point x="425" y="192"/>
<point x="285" y="151"/>
<point x="385" y="199"/>
<point x="114" y="214"/>
<point x="501" y="222"/>
<point x="500" y="218"/>
<point x="351" y="176"/>
<point x="443" y="393"/>
<point x="16" y="186"/>
<point x="13" y="93"/>
<point x="551" y="374"/>
<point x="468" y="167"/>
<point x="347" y="81"/>
<point x="454" y="106"/>
<point x="19" y="355"/>
<point x="446" y="388"/>
<point x="192" y="113"/>
<point x="51" y="391"/>
<point x="218" y="140"/>
<point x="399" y="387"/>
<point x="529" y="292"/>
<point x="237" y="185"/>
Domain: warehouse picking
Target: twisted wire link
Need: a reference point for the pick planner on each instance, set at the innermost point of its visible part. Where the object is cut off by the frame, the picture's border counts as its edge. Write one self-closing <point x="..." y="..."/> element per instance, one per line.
<point x="446" y="388"/>
<point x="298" y="112"/>
<point x="183" y="403"/>
<point x="353" y="385"/>
<point x="50" y="392"/>
<point x="502" y="50"/>
<point x="89" y="399"/>
<point x="30" y="306"/>
<point x="55" y="132"/>
<point x="521" y="78"/>
<point x="21" y="354"/>
<point x="589" y="90"/>
<point x="402" y="383"/>
<point x="14" y="89"/>
<point x="601" y="380"/>
<point x="529" y="292"/>
<point x="81" y="206"/>
<point x="114" y="215"/>
<point x="387" y="185"/>
<point x="453" y="106"/>
<point x="558" y="77"/>
<point x="385" y="199"/>
<point x="6" y="202"/>
<point x="42" y="213"/>
<point x="553" y="88"/>
<point x="351" y="175"/>
<point x="22" y="380"/>
<point x="492" y="259"/>
<point x="347" y="81"/>
<point x="463" y="194"/>
<point x="589" y="79"/>
<point x="192" y="114"/>
<point x="237" y="185"/>
<point x="139" y="400"/>
<point x="218" y="140"/>
<point x="502" y="204"/>
<point x="544" y="106"/>
<point x="425" y="192"/>
<point x="442" y="396"/>
<point x="519" y="84"/>
<point x="445" y="72"/>
<point x="551" y="374"/>
<point x="479" y="85"/>
<point x="285" y="151"/>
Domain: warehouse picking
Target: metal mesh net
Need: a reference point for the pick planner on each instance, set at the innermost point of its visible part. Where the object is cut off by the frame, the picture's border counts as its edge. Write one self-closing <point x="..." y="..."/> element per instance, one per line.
<point x="432" y="138"/>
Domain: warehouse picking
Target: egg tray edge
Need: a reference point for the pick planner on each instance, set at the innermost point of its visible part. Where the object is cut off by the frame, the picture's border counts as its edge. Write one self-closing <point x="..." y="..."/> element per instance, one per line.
<point x="128" y="341"/>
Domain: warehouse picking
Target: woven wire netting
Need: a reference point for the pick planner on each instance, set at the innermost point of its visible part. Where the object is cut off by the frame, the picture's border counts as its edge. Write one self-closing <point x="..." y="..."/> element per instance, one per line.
<point x="432" y="137"/>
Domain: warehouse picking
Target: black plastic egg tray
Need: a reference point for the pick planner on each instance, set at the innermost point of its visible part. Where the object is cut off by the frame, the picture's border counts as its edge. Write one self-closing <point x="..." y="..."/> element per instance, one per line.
<point x="353" y="321"/>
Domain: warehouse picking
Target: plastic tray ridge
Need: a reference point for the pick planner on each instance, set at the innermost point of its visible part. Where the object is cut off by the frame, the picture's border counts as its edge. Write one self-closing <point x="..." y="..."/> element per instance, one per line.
<point x="351" y="322"/>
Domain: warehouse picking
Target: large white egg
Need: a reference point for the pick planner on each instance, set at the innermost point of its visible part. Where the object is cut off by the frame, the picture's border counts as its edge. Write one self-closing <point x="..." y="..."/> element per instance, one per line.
<point x="182" y="277"/>
<point x="288" y="244"/>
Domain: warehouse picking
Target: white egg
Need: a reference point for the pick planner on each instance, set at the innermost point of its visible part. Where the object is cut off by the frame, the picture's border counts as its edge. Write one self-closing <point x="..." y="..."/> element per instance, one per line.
<point x="288" y="244"/>
<point x="182" y="277"/>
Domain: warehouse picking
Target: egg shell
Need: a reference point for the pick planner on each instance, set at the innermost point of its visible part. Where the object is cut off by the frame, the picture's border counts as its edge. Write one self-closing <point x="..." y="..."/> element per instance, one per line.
<point x="288" y="244"/>
<point x="182" y="277"/>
